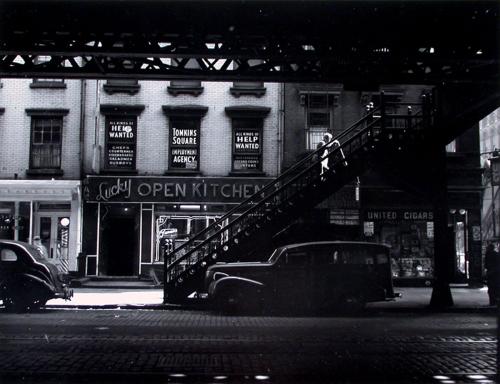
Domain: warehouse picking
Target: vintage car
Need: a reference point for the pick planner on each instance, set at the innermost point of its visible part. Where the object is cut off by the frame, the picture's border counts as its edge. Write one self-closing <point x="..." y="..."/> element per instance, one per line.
<point x="308" y="276"/>
<point x="27" y="278"/>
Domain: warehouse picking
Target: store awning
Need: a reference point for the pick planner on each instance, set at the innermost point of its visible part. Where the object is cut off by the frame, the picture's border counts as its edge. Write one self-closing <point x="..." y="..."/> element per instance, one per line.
<point x="39" y="190"/>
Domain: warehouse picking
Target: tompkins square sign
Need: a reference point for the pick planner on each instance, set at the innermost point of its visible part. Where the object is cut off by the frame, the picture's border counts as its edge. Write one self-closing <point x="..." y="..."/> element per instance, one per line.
<point x="171" y="189"/>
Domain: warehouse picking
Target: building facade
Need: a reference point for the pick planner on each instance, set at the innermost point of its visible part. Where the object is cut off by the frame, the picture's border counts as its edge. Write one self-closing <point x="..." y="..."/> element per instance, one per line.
<point x="163" y="160"/>
<point x="489" y="129"/>
<point x="373" y="209"/>
<point x="39" y="165"/>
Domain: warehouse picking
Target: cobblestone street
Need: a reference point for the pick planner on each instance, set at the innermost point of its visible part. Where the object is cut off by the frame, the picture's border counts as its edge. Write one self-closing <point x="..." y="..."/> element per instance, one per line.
<point x="186" y="346"/>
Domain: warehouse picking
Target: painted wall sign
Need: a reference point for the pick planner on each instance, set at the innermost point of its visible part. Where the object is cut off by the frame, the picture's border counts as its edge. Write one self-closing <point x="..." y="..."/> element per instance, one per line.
<point x="171" y="189"/>
<point x="121" y="139"/>
<point x="184" y="144"/>
<point x="398" y="215"/>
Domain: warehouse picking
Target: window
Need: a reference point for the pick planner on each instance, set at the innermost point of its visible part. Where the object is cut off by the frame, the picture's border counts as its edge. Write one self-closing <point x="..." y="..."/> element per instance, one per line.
<point x="39" y="82"/>
<point x="249" y="88"/>
<point x="8" y="255"/>
<point x="184" y="137"/>
<point x="319" y="116"/>
<point x="297" y="259"/>
<point x="247" y="138"/>
<point x="121" y="86"/>
<point x="46" y="142"/>
<point x="452" y="146"/>
<point x="190" y="87"/>
<point x="121" y="130"/>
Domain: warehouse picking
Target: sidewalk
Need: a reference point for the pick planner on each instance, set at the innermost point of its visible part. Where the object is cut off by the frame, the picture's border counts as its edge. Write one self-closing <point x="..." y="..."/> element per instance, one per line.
<point x="412" y="298"/>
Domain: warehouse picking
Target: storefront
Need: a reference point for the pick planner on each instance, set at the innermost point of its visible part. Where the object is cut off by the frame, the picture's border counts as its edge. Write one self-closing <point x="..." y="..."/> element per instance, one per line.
<point x="50" y="209"/>
<point x="410" y="233"/>
<point x="131" y="222"/>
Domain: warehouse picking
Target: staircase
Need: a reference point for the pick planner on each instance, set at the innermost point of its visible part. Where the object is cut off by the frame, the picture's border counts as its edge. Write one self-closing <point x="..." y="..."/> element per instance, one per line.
<point x="245" y="231"/>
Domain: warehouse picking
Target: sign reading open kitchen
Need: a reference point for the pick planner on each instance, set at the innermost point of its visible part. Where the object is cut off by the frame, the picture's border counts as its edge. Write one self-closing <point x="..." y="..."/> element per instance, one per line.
<point x="247" y="150"/>
<point x="121" y="139"/>
<point x="171" y="189"/>
<point x="184" y="144"/>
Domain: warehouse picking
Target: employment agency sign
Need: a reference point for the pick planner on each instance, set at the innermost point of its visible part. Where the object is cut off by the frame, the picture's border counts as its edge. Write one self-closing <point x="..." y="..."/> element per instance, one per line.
<point x="171" y="189"/>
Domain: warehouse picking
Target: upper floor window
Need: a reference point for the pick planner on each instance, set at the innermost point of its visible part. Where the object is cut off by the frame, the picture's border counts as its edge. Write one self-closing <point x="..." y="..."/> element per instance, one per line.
<point x="250" y="88"/>
<point x="120" y="148"/>
<point x="190" y="87"/>
<point x="319" y="108"/>
<point x="184" y="137"/>
<point x="40" y="82"/>
<point x="46" y="142"/>
<point x="121" y="86"/>
<point x="247" y="132"/>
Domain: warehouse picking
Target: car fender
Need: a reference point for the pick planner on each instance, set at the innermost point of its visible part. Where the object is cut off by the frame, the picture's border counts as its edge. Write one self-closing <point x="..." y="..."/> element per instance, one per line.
<point x="234" y="282"/>
<point x="28" y="278"/>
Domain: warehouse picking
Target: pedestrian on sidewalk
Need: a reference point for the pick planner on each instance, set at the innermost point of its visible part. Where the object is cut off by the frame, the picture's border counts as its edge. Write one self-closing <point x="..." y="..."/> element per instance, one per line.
<point x="492" y="264"/>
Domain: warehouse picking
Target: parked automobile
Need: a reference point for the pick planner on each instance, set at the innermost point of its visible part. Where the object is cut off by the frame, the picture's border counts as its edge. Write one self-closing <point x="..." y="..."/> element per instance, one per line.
<point x="27" y="278"/>
<point x="307" y="276"/>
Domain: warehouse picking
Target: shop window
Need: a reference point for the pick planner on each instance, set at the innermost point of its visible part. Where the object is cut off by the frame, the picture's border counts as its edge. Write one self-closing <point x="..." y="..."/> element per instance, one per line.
<point x="130" y="87"/>
<point x="46" y="142"/>
<point x="247" y="139"/>
<point x="184" y="138"/>
<point x="173" y="231"/>
<point x="319" y="109"/>
<point x="190" y="87"/>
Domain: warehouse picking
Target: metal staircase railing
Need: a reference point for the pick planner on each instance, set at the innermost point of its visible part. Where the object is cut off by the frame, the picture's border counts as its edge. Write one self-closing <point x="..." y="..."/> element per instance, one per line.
<point x="300" y="187"/>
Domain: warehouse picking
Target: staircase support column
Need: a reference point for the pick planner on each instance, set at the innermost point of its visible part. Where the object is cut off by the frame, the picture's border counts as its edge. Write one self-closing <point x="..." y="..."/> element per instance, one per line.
<point x="443" y="255"/>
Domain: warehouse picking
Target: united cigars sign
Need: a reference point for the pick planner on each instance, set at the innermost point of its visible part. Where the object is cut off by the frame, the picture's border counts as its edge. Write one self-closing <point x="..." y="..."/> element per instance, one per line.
<point x="121" y="140"/>
<point x="171" y="189"/>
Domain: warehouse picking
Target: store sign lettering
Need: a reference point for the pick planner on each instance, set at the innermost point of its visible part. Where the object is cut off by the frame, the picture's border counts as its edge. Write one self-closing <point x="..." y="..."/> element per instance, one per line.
<point x="399" y="215"/>
<point x="119" y="188"/>
<point x="174" y="190"/>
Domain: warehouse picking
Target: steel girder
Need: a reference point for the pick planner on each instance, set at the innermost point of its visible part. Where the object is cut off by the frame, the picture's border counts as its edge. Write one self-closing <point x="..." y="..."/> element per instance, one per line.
<point x="353" y="42"/>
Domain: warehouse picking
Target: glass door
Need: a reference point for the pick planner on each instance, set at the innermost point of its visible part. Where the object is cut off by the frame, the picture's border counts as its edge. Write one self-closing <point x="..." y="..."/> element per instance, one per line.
<point x="53" y="229"/>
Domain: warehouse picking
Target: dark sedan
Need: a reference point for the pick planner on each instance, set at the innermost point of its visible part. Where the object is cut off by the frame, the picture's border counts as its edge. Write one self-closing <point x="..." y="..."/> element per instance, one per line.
<point x="27" y="278"/>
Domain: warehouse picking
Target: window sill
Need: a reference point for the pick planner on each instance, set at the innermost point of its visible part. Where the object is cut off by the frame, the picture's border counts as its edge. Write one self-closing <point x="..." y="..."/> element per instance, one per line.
<point x="130" y="89"/>
<point x="49" y="84"/>
<point x="239" y="91"/>
<point x="188" y="90"/>
<point x="108" y="171"/>
<point x="182" y="173"/>
<point x="247" y="173"/>
<point x="44" y="172"/>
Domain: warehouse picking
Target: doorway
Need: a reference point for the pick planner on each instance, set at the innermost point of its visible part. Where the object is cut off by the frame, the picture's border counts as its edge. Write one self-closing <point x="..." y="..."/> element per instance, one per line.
<point x="119" y="243"/>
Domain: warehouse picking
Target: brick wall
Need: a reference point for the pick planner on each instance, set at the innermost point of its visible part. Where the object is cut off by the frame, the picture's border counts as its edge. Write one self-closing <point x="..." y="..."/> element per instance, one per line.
<point x="15" y="125"/>
<point x="152" y="125"/>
